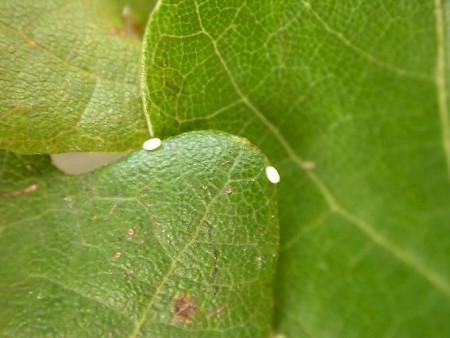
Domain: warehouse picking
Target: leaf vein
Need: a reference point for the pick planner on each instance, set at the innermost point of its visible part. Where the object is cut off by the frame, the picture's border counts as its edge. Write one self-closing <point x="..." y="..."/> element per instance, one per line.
<point x="364" y="54"/>
<point x="143" y="318"/>
<point x="79" y="293"/>
<point x="364" y="227"/>
<point x="441" y="83"/>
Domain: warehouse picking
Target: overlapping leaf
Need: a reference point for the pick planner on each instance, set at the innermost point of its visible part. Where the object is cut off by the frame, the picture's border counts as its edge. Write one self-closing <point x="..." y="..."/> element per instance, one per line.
<point x="179" y="241"/>
<point x="69" y="76"/>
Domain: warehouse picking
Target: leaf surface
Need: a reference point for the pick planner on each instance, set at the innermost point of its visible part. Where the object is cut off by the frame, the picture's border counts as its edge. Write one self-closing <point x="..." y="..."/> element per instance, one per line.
<point x="181" y="241"/>
<point x="69" y="77"/>
<point x="350" y="100"/>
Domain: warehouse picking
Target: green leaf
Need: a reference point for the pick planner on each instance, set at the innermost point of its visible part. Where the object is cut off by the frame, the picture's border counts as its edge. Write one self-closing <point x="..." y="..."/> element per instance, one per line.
<point x="69" y="76"/>
<point x="178" y="241"/>
<point x="349" y="99"/>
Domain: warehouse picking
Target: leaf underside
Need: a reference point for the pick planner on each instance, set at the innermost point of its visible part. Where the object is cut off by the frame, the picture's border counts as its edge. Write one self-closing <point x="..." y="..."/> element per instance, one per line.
<point x="178" y="241"/>
<point x="73" y="63"/>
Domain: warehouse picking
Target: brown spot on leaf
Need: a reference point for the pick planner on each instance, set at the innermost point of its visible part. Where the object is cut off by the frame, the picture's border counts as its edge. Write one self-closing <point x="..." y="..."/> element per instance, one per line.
<point x="29" y="40"/>
<point x="128" y="272"/>
<point x="214" y="273"/>
<point x="228" y="190"/>
<point x="184" y="309"/>
<point x="131" y="232"/>
<point x="113" y="209"/>
<point x="308" y="166"/>
<point x="27" y="190"/>
<point x="117" y="255"/>
<point x="117" y="31"/>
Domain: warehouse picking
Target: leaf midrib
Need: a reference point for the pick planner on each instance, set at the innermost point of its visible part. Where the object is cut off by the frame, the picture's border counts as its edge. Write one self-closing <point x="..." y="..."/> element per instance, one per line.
<point x="144" y="316"/>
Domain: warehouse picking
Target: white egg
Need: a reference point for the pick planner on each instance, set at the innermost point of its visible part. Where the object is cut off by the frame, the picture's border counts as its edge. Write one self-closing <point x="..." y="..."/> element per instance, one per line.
<point x="272" y="175"/>
<point x="152" y="144"/>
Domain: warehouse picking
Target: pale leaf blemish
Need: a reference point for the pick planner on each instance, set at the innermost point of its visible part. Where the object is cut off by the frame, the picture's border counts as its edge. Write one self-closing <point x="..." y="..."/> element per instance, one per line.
<point x="69" y="200"/>
<point x="126" y="11"/>
<point x="259" y="262"/>
<point x="278" y="335"/>
<point x="228" y="190"/>
<point x="117" y="255"/>
<point x="130" y="233"/>
<point x="113" y="209"/>
<point x="152" y="144"/>
<point x="29" y="41"/>
<point x="308" y="165"/>
<point x="272" y="175"/>
<point x="217" y="311"/>
<point x="128" y="272"/>
<point x="27" y="190"/>
<point x="130" y="26"/>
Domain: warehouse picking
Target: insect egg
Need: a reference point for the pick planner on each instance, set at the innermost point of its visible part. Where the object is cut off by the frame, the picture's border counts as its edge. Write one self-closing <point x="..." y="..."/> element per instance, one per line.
<point x="152" y="144"/>
<point x="272" y="175"/>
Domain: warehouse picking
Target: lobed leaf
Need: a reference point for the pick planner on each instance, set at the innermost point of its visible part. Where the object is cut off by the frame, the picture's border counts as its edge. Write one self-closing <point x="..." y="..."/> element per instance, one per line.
<point x="178" y="241"/>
